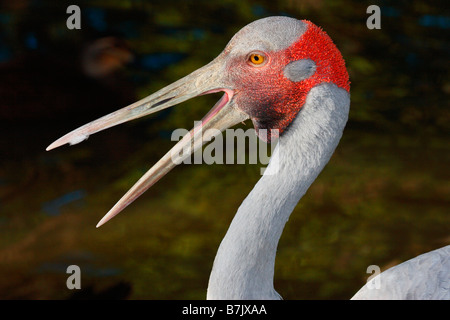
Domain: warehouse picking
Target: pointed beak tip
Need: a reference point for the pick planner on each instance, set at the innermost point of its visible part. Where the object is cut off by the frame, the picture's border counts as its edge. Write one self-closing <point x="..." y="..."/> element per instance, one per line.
<point x="55" y="144"/>
<point x="102" y="221"/>
<point x="71" y="138"/>
<point x="108" y="216"/>
<point x="50" y="147"/>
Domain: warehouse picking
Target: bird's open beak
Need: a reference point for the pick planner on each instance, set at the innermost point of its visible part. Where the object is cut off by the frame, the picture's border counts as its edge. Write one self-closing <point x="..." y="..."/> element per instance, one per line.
<point x="224" y="114"/>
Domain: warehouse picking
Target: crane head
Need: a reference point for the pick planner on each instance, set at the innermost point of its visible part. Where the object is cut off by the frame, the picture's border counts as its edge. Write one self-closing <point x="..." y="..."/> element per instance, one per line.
<point x="273" y="63"/>
<point x="265" y="72"/>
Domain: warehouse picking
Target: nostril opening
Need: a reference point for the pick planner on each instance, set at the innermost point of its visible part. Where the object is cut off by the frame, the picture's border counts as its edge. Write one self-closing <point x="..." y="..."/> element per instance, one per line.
<point x="162" y="102"/>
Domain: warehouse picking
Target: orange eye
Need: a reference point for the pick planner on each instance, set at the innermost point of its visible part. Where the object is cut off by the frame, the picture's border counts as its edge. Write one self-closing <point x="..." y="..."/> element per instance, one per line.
<point x="256" y="58"/>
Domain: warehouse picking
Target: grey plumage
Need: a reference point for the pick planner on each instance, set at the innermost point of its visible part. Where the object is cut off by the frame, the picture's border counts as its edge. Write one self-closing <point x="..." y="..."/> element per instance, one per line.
<point x="244" y="264"/>
<point x="300" y="70"/>
<point x="426" y="277"/>
<point x="268" y="34"/>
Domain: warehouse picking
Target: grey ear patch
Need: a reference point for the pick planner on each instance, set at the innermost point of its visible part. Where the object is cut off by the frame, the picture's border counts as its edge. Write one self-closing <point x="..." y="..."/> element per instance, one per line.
<point x="299" y="70"/>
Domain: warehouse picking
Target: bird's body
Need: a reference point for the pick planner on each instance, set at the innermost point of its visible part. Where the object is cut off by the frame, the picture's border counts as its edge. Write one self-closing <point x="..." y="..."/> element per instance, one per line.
<point x="426" y="277"/>
<point x="289" y="78"/>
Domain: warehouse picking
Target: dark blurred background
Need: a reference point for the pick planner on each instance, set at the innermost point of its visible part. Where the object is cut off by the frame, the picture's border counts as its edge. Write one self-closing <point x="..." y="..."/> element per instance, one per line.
<point x="382" y="199"/>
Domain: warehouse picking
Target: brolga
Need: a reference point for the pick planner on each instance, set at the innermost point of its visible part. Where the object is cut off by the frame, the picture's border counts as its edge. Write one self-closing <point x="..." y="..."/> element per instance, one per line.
<point x="289" y="78"/>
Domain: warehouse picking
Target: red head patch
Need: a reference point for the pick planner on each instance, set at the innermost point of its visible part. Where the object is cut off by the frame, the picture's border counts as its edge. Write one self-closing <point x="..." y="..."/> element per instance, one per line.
<point x="271" y="99"/>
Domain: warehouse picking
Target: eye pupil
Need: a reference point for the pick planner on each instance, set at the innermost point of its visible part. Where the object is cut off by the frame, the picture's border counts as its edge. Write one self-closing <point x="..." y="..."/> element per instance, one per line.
<point x="256" y="58"/>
